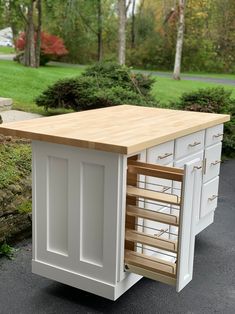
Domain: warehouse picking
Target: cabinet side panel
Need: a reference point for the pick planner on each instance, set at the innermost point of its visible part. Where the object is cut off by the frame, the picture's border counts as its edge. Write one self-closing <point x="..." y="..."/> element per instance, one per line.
<point x="92" y="213"/>
<point x="57" y="205"/>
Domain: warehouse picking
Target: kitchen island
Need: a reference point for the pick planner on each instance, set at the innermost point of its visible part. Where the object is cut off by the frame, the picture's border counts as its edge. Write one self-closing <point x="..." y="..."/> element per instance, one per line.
<point x="120" y="193"/>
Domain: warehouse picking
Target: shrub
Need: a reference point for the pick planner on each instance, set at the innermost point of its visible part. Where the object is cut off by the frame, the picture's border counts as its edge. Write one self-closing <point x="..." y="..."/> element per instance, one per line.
<point x="7" y="250"/>
<point x="51" y="46"/>
<point x="214" y="100"/>
<point x="101" y="85"/>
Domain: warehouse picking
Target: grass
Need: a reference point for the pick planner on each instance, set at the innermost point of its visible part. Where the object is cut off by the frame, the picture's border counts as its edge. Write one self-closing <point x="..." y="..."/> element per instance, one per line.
<point x="23" y="84"/>
<point x="166" y="90"/>
<point x="7" y="50"/>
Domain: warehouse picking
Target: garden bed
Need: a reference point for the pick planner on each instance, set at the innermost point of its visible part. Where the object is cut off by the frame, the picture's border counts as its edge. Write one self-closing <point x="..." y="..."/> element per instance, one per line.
<point x="15" y="188"/>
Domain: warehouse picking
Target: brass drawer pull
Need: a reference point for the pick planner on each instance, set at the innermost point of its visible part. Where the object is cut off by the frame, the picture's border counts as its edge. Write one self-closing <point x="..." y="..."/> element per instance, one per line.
<point x="212" y="198"/>
<point x="215" y="162"/>
<point x="218" y="135"/>
<point x="165" y="155"/>
<point x="194" y="144"/>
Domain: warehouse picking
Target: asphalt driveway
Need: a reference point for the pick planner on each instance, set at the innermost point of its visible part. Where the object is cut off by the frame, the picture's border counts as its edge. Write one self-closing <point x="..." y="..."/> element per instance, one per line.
<point x="212" y="289"/>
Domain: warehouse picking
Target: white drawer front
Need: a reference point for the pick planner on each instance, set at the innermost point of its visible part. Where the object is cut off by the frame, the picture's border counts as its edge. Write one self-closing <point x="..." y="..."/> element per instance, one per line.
<point x="161" y="154"/>
<point x="189" y="144"/>
<point x="212" y="162"/>
<point x="214" y="135"/>
<point x="209" y="197"/>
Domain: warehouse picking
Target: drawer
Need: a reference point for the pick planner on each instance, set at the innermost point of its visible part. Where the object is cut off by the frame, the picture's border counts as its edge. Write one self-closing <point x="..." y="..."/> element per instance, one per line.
<point x="209" y="197"/>
<point x="214" y="135"/>
<point x="161" y="154"/>
<point x="159" y="263"/>
<point x="212" y="162"/>
<point x="189" y="144"/>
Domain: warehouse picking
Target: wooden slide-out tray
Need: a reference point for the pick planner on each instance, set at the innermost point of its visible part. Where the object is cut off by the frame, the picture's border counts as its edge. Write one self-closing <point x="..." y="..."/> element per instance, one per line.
<point x="152" y="266"/>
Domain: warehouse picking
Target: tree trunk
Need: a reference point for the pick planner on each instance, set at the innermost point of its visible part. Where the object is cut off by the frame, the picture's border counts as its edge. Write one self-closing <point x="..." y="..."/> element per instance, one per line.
<point x="133" y="26"/>
<point x="100" y="30"/>
<point x="122" y="31"/>
<point x="179" y="43"/>
<point x="39" y="28"/>
<point x="29" y="55"/>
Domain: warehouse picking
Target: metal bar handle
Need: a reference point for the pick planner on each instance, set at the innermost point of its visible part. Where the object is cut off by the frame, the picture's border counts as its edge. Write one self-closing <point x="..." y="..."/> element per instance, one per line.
<point x="218" y="135"/>
<point x="215" y="162"/>
<point x="194" y="144"/>
<point x="165" y="188"/>
<point x="212" y="197"/>
<point x="165" y="155"/>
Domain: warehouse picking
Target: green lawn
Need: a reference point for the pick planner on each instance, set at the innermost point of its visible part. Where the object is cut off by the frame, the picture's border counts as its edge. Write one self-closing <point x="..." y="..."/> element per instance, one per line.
<point x="7" y="50"/>
<point x="24" y="84"/>
<point x="166" y="90"/>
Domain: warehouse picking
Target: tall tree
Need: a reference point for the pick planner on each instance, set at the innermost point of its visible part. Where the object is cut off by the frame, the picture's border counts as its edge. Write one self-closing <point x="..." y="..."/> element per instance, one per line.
<point x="122" y="31"/>
<point x="100" y="30"/>
<point x="28" y="9"/>
<point x="29" y="53"/>
<point x="39" y="30"/>
<point x="133" y="25"/>
<point x="179" y="42"/>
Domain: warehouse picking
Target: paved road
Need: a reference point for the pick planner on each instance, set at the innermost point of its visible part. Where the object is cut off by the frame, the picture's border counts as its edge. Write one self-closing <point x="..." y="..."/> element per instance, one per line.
<point x="212" y="289"/>
<point x="193" y="78"/>
<point x="16" y="115"/>
<point x="7" y="57"/>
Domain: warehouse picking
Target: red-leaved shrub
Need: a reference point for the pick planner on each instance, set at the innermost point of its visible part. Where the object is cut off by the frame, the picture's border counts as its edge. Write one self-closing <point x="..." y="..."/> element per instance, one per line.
<point x="51" y="46"/>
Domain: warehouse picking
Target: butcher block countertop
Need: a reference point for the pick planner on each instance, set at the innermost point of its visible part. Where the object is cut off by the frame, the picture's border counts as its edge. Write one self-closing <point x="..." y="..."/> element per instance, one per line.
<point x="122" y="129"/>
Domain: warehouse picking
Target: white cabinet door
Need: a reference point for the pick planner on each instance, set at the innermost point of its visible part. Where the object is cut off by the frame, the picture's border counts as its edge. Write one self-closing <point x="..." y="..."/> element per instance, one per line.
<point x="78" y="197"/>
<point x="177" y="271"/>
<point x="180" y="164"/>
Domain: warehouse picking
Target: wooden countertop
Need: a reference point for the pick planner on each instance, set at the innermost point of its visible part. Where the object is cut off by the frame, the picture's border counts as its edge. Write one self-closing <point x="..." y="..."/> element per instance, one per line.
<point x="122" y="129"/>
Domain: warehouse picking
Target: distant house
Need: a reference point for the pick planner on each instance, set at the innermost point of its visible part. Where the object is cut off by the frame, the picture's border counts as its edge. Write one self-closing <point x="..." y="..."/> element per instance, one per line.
<point x="6" y="37"/>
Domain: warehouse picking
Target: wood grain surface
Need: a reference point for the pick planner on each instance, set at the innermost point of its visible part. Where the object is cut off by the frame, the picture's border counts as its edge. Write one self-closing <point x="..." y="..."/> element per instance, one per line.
<point x="121" y="129"/>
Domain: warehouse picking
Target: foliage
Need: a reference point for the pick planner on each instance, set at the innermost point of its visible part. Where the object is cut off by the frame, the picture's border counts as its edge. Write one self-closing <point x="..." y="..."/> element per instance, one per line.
<point x="214" y="100"/>
<point x="25" y="207"/>
<point x="15" y="162"/>
<point x="51" y="46"/>
<point x="7" y="250"/>
<point x="208" y="40"/>
<point x="102" y="85"/>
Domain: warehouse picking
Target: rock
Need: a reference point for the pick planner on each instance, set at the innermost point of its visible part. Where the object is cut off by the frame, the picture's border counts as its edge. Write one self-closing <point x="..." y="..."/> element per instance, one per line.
<point x="5" y="104"/>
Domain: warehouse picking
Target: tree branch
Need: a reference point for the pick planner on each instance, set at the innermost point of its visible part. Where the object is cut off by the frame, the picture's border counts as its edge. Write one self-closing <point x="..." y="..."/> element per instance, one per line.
<point x="128" y="5"/>
<point x="22" y="14"/>
<point x="86" y="23"/>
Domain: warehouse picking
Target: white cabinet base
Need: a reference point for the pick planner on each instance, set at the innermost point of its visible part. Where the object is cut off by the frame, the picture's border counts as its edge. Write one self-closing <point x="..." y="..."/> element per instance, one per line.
<point x="205" y="222"/>
<point x="86" y="283"/>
